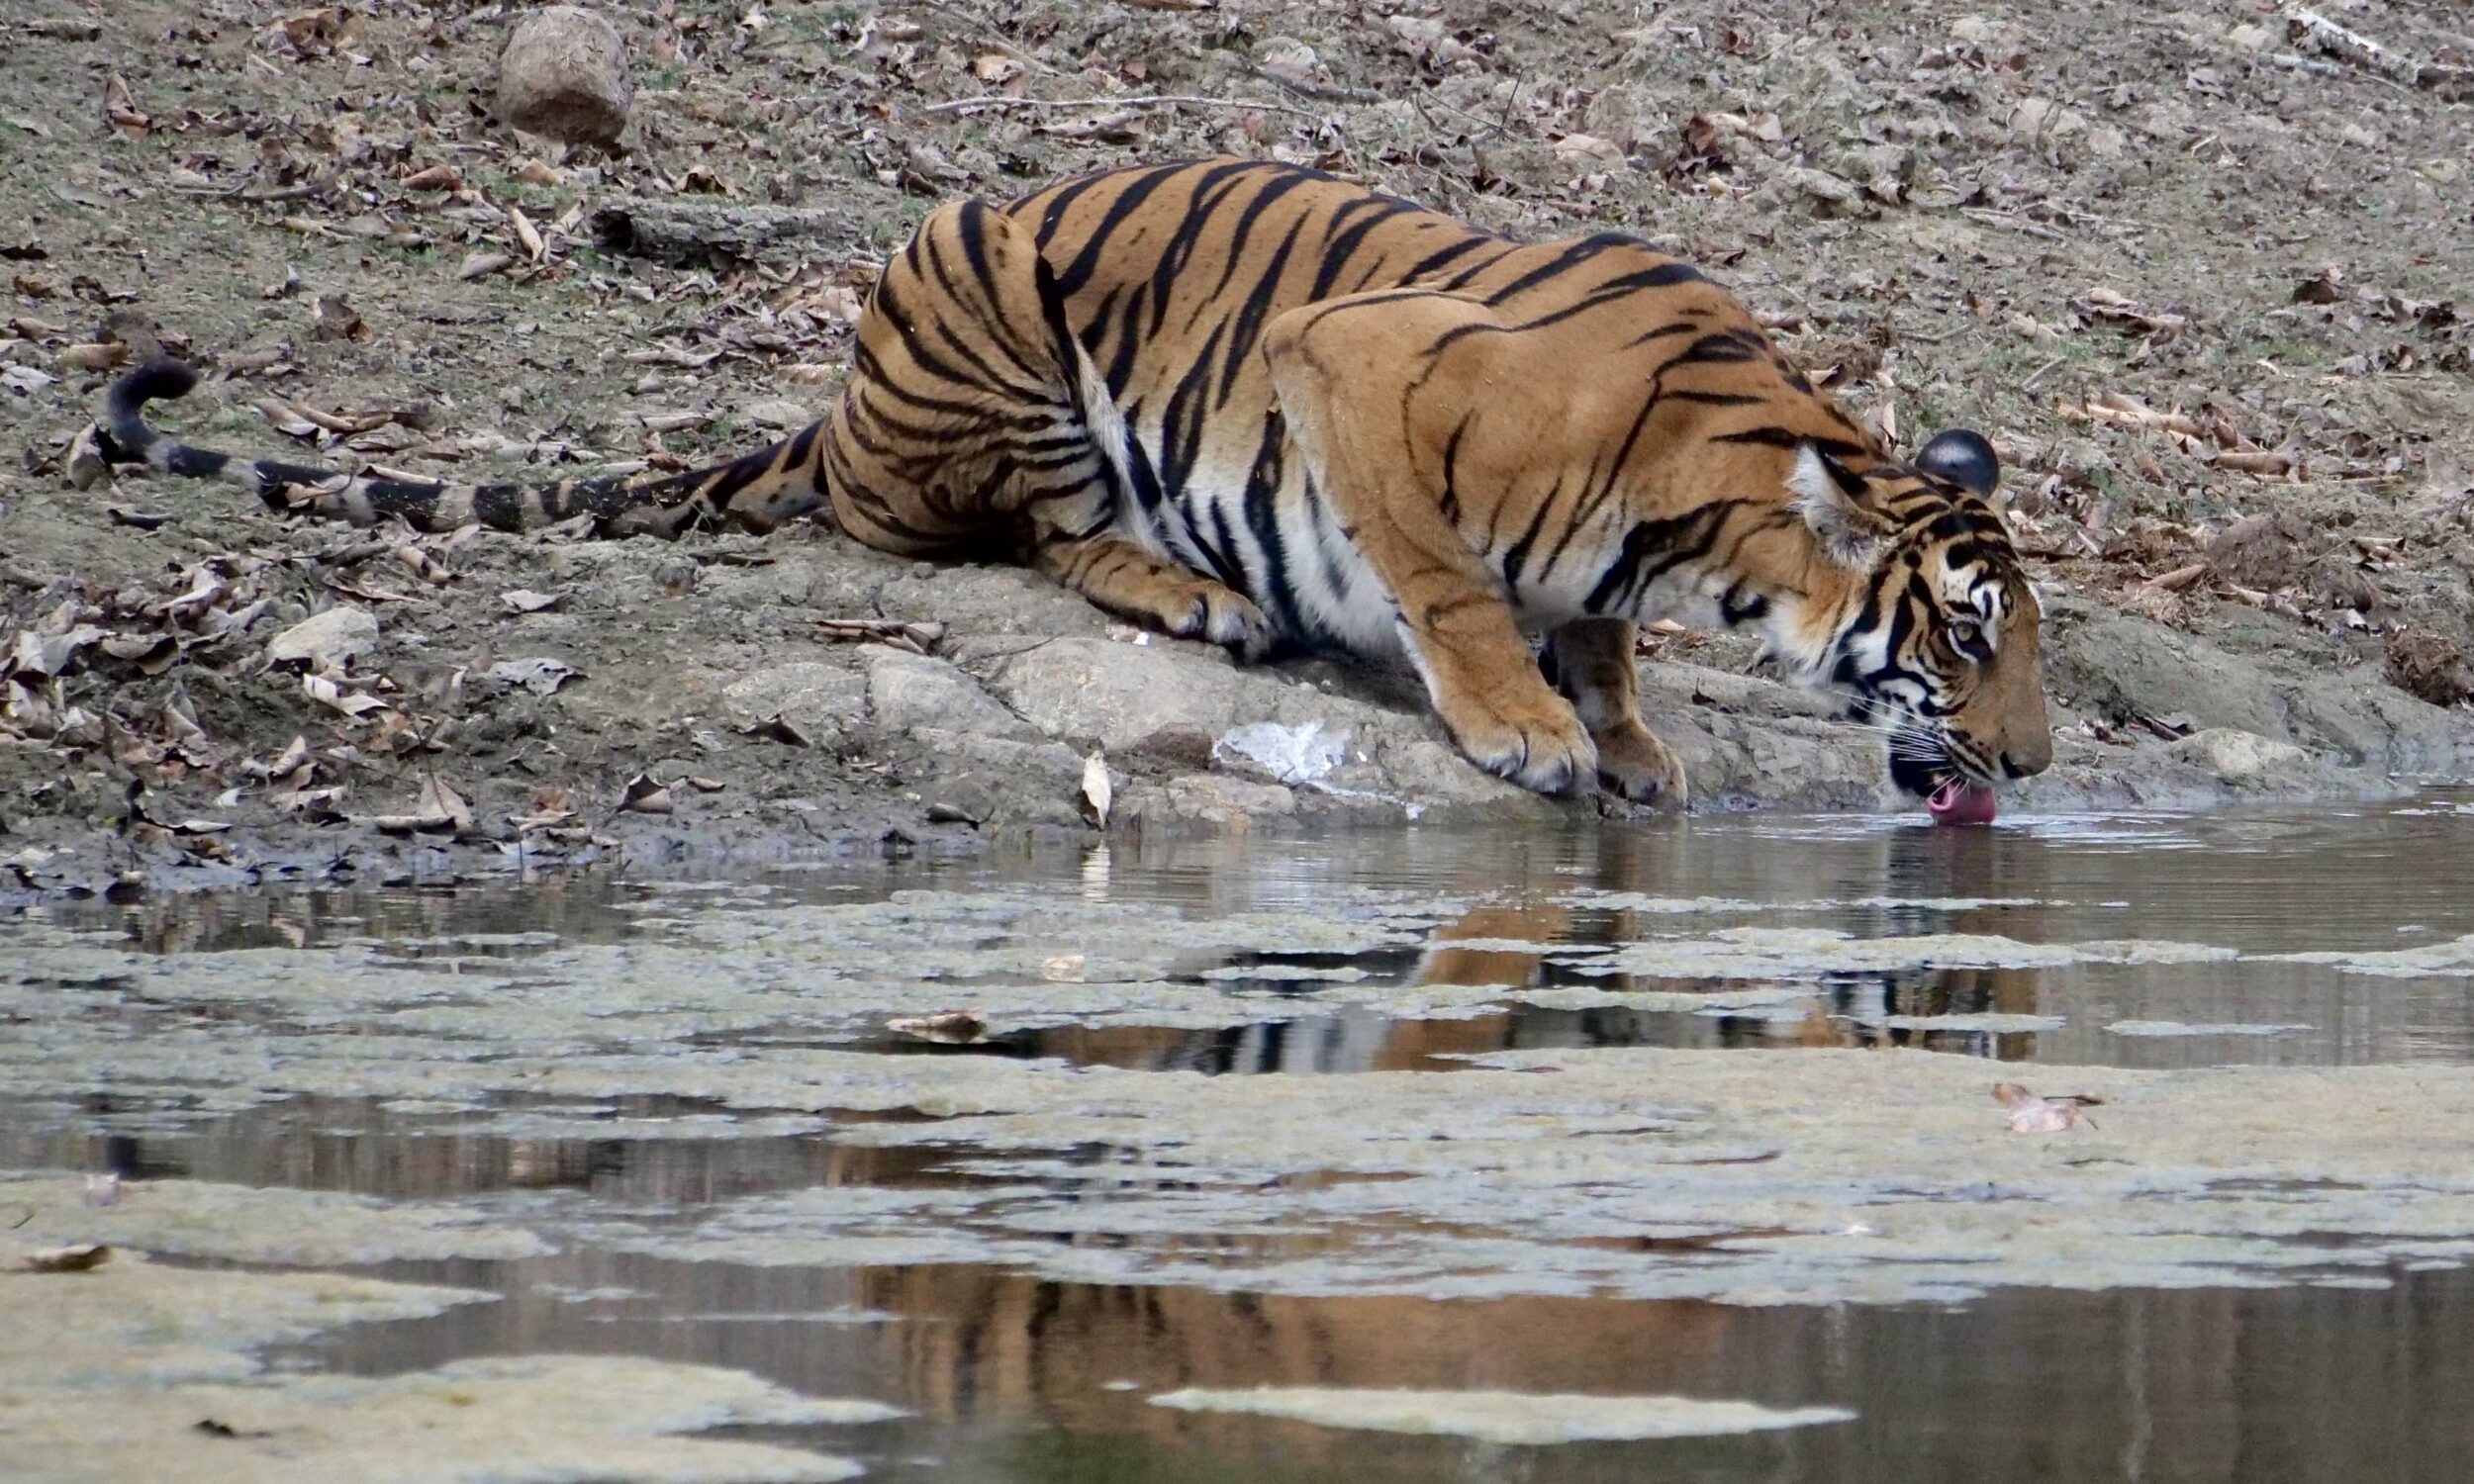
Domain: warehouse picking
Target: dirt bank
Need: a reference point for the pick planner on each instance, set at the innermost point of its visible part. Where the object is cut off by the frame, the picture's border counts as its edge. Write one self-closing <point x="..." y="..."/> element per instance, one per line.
<point x="2189" y="270"/>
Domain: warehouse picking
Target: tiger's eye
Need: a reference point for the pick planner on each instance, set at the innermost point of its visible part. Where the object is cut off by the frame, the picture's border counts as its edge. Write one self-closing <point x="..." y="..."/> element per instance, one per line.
<point x="1966" y="634"/>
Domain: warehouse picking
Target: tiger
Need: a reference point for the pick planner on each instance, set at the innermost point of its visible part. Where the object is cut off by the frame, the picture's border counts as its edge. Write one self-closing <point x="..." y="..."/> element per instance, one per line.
<point x="1267" y="408"/>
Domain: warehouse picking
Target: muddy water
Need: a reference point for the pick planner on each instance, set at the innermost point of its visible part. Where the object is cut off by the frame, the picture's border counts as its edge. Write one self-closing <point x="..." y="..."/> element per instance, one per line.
<point x="1690" y="1112"/>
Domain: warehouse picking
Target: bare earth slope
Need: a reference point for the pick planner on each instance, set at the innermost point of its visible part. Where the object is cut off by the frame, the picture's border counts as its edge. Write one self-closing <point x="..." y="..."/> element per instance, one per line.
<point x="2191" y="268"/>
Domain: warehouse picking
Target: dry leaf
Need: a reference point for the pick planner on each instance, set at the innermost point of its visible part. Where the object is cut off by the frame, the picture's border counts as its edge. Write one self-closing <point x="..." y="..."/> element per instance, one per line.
<point x="778" y="729"/>
<point x="84" y="1256"/>
<point x="328" y="693"/>
<point x="1063" y="969"/>
<point x="548" y="806"/>
<point x="1579" y="146"/>
<point x="93" y="355"/>
<point x="525" y="600"/>
<point x="946" y="1027"/>
<point x="340" y="320"/>
<point x="2029" y="1114"/>
<point x="646" y="797"/>
<point x="542" y="676"/>
<point x="440" y="802"/>
<point x="86" y="466"/>
<point x="285" y="418"/>
<point x="526" y="233"/>
<point x="1096" y="791"/>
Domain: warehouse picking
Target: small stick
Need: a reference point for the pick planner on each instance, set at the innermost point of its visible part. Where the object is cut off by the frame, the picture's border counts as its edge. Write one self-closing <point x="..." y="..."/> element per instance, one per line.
<point x="2353" y="46"/>
<point x="243" y="193"/>
<point x="2015" y="224"/>
<point x="1316" y="90"/>
<point x="1149" y="100"/>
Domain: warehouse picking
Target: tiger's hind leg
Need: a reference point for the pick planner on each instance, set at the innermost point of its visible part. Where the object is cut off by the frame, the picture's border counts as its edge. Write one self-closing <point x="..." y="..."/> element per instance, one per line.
<point x="1592" y="661"/>
<point x="974" y="424"/>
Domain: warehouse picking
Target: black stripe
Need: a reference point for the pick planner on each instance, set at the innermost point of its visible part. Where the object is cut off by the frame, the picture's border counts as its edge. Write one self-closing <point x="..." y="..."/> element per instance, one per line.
<point x="1243" y="233"/>
<point x="1450" y="469"/>
<point x="1201" y="210"/>
<point x="1247" y="326"/>
<point x="1652" y="548"/>
<point x="1273" y="589"/>
<point x="1517" y="556"/>
<point x="1673" y="328"/>
<point x="1071" y="277"/>
<point x="1572" y="257"/>
<point x="1727" y="345"/>
<point x="1337" y="252"/>
<point x="1773" y="436"/>
<point x="1437" y="261"/>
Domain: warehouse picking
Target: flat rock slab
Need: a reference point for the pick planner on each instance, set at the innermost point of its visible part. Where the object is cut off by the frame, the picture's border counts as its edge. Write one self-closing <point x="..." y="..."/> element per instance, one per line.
<point x="910" y="692"/>
<point x="821" y="701"/>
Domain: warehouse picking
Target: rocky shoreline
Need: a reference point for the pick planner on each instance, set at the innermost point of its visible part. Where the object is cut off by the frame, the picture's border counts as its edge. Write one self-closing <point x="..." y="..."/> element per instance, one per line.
<point x="980" y="706"/>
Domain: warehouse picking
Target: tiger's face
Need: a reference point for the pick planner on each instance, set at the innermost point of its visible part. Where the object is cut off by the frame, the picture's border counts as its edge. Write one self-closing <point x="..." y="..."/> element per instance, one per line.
<point x="1940" y="646"/>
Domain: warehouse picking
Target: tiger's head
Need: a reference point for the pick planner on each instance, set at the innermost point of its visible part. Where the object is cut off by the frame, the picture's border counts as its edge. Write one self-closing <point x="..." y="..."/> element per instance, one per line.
<point x="1937" y="639"/>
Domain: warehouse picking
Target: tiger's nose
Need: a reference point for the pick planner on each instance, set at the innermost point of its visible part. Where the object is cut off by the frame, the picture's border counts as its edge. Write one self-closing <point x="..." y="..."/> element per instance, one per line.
<point x="2027" y="763"/>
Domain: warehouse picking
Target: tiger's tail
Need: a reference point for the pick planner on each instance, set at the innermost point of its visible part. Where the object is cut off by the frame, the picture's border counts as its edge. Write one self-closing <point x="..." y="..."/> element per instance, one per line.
<point x="755" y="492"/>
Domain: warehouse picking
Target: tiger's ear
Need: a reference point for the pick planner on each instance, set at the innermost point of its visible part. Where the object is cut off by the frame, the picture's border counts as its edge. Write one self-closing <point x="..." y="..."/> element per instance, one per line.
<point x="1828" y="496"/>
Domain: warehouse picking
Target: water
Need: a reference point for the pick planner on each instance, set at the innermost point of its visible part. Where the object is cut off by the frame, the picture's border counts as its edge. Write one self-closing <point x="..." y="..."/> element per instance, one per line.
<point x="694" y="1093"/>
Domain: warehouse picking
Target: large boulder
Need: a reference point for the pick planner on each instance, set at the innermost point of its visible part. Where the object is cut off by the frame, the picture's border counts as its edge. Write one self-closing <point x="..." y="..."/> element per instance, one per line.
<point x="564" y="76"/>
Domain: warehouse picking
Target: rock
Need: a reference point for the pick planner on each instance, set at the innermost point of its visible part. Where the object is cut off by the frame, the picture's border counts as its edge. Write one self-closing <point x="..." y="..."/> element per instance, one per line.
<point x="908" y="692"/>
<point x="997" y="782"/>
<point x="564" y="76"/>
<point x="823" y="701"/>
<point x="1178" y="745"/>
<point x="1038" y="764"/>
<point x="779" y="414"/>
<point x="1115" y="695"/>
<point x="2240" y="757"/>
<point x="333" y="639"/>
<point x="1204" y="803"/>
<point x="2122" y="668"/>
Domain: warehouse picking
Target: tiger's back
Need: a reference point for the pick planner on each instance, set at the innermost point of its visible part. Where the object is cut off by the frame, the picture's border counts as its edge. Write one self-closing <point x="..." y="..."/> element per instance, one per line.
<point x="1168" y="280"/>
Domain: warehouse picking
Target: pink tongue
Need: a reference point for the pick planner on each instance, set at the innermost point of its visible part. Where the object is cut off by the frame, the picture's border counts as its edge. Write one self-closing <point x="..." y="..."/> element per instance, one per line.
<point x="1959" y="801"/>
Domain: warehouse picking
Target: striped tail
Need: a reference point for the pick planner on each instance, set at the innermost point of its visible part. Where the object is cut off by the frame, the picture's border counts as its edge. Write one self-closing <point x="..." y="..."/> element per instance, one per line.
<point x="754" y="493"/>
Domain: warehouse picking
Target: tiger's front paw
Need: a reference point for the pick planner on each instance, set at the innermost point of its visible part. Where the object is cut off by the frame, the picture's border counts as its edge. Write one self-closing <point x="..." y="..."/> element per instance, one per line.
<point x="1540" y="744"/>
<point x="1223" y="616"/>
<point x="1633" y="762"/>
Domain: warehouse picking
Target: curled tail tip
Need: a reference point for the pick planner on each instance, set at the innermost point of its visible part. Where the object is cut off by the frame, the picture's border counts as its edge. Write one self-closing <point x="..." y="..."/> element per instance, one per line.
<point x="156" y="378"/>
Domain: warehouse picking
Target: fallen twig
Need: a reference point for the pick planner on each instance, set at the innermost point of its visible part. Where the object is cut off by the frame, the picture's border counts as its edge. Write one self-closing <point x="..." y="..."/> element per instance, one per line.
<point x="2305" y="25"/>
<point x="1150" y="99"/>
<point x="1321" y="92"/>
